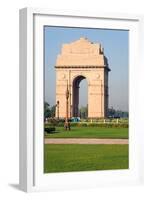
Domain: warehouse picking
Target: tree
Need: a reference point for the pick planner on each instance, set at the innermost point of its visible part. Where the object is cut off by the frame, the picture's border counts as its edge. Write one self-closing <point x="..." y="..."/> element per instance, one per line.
<point x="83" y="112"/>
<point x="111" y="112"/>
<point x="47" y="112"/>
<point x="117" y="113"/>
<point x="53" y="110"/>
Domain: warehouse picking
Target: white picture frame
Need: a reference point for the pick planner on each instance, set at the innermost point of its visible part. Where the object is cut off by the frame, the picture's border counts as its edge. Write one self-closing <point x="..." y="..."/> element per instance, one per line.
<point x="31" y="175"/>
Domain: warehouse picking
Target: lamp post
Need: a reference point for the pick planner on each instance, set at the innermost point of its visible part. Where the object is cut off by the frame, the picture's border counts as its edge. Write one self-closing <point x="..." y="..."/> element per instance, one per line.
<point x="57" y="109"/>
<point x="67" y="123"/>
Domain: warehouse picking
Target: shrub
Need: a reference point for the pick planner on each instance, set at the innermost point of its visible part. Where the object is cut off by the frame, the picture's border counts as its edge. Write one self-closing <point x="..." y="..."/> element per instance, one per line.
<point x="60" y="124"/>
<point x="82" y="124"/>
<point x="53" y="121"/>
<point x="107" y="125"/>
<point x="74" y="124"/>
<point x="49" y="129"/>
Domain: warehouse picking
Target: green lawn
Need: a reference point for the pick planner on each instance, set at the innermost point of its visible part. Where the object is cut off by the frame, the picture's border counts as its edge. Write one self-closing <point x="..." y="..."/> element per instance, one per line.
<point x="77" y="157"/>
<point x="89" y="132"/>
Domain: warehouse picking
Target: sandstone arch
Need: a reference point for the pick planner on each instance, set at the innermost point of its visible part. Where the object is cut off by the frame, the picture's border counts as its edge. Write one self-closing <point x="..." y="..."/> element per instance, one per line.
<point x="78" y="60"/>
<point x="75" y="95"/>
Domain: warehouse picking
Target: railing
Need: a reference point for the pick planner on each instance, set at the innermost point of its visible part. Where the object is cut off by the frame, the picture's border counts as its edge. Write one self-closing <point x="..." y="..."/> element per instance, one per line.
<point x="108" y="120"/>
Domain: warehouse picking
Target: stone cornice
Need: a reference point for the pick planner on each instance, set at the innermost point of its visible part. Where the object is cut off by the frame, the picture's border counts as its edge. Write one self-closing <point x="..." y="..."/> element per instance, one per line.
<point x="81" y="66"/>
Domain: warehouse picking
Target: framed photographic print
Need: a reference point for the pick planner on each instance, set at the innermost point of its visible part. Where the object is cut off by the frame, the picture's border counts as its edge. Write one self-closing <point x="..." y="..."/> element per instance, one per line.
<point x="79" y="104"/>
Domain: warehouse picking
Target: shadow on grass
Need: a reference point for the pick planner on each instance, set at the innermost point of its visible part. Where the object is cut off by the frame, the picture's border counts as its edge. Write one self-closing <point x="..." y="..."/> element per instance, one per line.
<point x="52" y="133"/>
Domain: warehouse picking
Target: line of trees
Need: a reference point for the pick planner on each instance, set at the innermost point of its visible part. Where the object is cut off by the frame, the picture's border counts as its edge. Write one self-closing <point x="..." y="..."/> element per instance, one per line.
<point x="49" y="111"/>
<point x="117" y="113"/>
<point x="112" y="113"/>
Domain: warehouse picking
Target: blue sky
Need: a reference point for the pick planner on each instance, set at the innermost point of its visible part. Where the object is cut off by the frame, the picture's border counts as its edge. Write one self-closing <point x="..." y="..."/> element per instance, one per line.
<point x="115" y="43"/>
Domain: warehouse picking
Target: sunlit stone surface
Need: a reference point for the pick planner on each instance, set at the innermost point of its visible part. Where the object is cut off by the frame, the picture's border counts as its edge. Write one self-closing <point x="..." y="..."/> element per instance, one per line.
<point x="79" y="60"/>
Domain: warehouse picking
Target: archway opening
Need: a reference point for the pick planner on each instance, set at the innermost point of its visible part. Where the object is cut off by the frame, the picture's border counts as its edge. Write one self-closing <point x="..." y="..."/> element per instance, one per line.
<point x="80" y="97"/>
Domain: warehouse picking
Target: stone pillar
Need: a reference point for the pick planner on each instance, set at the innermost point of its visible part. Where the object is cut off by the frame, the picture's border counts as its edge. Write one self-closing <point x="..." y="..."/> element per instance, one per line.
<point x="61" y="86"/>
<point x="96" y="100"/>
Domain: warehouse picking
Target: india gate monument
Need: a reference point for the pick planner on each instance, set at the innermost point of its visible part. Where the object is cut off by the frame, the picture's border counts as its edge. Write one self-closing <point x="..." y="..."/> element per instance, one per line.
<point x="80" y="60"/>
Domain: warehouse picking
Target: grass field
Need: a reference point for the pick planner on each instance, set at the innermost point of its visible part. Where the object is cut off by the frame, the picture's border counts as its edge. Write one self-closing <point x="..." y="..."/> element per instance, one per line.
<point x="89" y="132"/>
<point x="76" y="157"/>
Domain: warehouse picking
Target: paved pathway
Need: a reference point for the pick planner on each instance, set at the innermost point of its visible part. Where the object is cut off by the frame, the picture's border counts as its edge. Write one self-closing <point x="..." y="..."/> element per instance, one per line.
<point x="84" y="141"/>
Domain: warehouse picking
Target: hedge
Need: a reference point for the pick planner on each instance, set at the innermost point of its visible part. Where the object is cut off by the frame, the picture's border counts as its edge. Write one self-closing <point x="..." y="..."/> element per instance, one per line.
<point x="94" y="124"/>
<point x="49" y="129"/>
